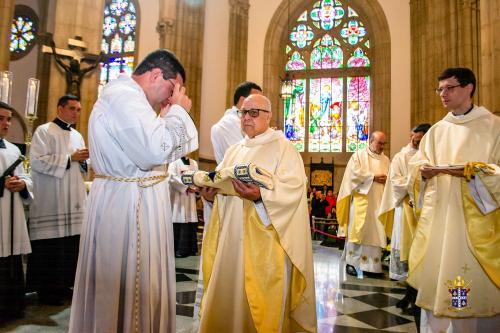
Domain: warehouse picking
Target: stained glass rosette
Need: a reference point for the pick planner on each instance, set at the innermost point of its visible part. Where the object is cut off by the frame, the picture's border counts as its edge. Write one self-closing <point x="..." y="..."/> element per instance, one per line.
<point x="22" y="34"/>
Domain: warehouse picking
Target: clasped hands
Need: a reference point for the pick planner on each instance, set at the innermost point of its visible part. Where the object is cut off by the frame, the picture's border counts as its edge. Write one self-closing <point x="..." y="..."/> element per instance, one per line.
<point x="80" y="155"/>
<point x="14" y="184"/>
<point x="245" y="190"/>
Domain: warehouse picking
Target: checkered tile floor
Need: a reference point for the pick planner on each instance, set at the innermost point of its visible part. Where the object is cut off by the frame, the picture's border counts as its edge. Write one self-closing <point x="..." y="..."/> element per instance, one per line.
<point x="351" y="305"/>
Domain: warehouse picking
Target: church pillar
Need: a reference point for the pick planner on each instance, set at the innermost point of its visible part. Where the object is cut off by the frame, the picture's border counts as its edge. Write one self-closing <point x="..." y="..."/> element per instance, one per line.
<point x="237" y="46"/>
<point x="443" y="34"/>
<point x="489" y="78"/>
<point x="6" y="14"/>
<point x="181" y="30"/>
<point x="76" y="18"/>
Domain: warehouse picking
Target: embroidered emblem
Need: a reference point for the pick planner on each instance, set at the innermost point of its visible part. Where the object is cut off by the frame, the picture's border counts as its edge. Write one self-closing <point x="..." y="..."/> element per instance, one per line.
<point x="164" y="146"/>
<point x="187" y="178"/>
<point x="364" y="258"/>
<point x="458" y="290"/>
<point x="351" y="253"/>
<point x="376" y="260"/>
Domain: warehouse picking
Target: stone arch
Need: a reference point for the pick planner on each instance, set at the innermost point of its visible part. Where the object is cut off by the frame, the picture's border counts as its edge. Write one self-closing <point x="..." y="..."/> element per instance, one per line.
<point x="380" y="45"/>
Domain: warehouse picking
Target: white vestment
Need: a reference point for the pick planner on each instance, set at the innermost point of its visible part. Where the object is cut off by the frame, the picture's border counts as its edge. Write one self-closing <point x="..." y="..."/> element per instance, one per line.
<point x="125" y="280"/>
<point x="60" y="193"/>
<point x="183" y="203"/>
<point x="358" y="204"/>
<point x="21" y="239"/>
<point x="395" y="191"/>
<point x="226" y="132"/>
<point x="454" y="255"/>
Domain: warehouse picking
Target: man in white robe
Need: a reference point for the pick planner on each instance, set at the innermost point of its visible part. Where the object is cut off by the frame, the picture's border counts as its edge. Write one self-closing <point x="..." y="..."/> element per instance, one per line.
<point x="396" y="213"/>
<point x="358" y="204"/>
<point x="257" y="252"/>
<point x="184" y="213"/>
<point x="227" y="131"/>
<point x="455" y="184"/>
<point x="16" y="190"/>
<point x="58" y="167"/>
<point x="125" y="280"/>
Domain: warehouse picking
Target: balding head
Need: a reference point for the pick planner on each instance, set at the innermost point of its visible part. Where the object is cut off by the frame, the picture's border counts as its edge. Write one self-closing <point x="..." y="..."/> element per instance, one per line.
<point x="377" y="142"/>
<point x="257" y="120"/>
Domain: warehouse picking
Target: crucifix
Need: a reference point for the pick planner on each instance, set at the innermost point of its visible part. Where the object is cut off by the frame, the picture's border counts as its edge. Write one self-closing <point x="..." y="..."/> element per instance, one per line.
<point x="73" y="70"/>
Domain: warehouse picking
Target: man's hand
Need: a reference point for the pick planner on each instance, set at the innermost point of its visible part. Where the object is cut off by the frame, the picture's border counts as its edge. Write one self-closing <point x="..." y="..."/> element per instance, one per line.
<point x="380" y="179"/>
<point x="191" y="190"/>
<point x="80" y="155"/>
<point x="428" y="172"/>
<point x="454" y="172"/>
<point x="246" y="190"/>
<point x="208" y="193"/>
<point x="14" y="184"/>
<point x="179" y="97"/>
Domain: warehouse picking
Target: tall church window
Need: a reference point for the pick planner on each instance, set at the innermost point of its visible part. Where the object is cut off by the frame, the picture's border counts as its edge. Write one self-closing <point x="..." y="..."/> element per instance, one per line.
<point x="23" y="31"/>
<point x="118" y="42"/>
<point x="328" y="58"/>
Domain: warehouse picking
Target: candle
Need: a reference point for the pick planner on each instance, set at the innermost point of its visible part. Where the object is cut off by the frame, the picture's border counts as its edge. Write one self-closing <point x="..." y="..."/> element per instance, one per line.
<point x="5" y="86"/>
<point x="32" y="98"/>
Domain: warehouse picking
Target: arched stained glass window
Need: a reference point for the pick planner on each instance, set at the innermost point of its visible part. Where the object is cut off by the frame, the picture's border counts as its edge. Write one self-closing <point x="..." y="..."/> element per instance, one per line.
<point x="118" y="42"/>
<point x="328" y="56"/>
<point x="23" y="31"/>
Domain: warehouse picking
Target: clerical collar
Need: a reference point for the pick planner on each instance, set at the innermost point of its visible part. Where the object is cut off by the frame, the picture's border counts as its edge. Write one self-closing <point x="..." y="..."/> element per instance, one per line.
<point x="63" y="125"/>
<point x="185" y="160"/>
<point x="468" y="111"/>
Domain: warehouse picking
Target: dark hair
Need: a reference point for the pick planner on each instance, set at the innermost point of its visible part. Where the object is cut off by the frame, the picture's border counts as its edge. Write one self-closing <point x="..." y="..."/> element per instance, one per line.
<point x="65" y="98"/>
<point x="421" y="128"/>
<point x="6" y="106"/>
<point x="166" y="61"/>
<point x="463" y="75"/>
<point x="243" y="90"/>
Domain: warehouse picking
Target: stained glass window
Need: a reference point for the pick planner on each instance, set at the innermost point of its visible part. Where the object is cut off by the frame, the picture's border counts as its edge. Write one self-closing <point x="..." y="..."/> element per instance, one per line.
<point x="328" y="56"/>
<point x="118" y="39"/>
<point x="23" y="31"/>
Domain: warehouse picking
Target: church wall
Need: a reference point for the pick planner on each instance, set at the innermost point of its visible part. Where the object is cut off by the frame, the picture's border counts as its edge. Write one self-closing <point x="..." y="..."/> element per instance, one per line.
<point x="260" y="14"/>
<point x="215" y="49"/>
<point x="148" y="40"/>
<point x="23" y="69"/>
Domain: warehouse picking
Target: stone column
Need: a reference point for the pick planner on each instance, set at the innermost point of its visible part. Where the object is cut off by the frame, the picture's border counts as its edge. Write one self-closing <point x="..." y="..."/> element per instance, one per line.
<point x="6" y="14"/>
<point x="237" y="46"/>
<point x="489" y="78"/>
<point x="180" y="29"/>
<point x="443" y="34"/>
<point x="76" y="18"/>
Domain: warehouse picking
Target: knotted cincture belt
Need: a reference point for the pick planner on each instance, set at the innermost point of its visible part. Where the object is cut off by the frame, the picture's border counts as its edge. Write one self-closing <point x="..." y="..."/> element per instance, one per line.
<point x="142" y="182"/>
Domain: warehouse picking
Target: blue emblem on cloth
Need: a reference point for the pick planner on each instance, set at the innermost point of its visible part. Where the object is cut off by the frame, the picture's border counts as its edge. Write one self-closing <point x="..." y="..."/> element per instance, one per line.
<point x="458" y="290"/>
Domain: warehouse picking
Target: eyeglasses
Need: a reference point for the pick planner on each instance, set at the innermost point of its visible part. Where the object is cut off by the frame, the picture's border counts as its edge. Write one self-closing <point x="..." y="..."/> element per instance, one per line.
<point x="254" y="113"/>
<point x="444" y="89"/>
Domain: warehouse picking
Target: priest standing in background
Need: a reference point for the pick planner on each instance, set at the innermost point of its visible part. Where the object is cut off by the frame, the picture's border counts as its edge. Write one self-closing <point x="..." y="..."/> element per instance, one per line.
<point x="125" y="280"/>
<point x="455" y="182"/>
<point x="257" y="252"/>
<point x="58" y="166"/>
<point x="358" y="203"/>
<point x="184" y="214"/>
<point x="15" y="191"/>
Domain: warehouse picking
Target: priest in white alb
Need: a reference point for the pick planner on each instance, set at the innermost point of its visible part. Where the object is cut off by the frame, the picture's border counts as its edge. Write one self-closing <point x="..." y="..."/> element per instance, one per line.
<point x="58" y="160"/>
<point x="257" y="252"/>
<point x="15" y="191"/>
<point x="125" y="280"/>
<point x="455" y="184"/>
<point x="184" y="213"/>
<point x="358" y="202"/>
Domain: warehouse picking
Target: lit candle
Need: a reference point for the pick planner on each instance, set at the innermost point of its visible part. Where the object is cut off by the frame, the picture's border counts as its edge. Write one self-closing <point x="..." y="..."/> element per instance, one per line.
<point x="32" y="98"/>
<point x="5" y="84"/>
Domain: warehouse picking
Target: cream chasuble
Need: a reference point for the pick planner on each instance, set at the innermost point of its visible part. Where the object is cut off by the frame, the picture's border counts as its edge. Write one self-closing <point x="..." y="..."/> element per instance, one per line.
<point x="357" y="208"/>
<point x="260" y="278"/>
<point x="396" y="214"/>
<point x="455" y="252"/>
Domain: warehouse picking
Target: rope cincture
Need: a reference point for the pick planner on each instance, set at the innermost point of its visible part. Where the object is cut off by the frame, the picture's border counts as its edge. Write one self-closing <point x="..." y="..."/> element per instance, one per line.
<point x="142" y="182"/>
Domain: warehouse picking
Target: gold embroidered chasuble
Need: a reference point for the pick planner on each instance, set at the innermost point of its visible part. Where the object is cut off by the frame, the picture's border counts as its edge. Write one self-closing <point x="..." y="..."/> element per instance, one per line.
<point x="359" y="189"/>
<point x="260" y="278"/>
<point x="454" y="241"/>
